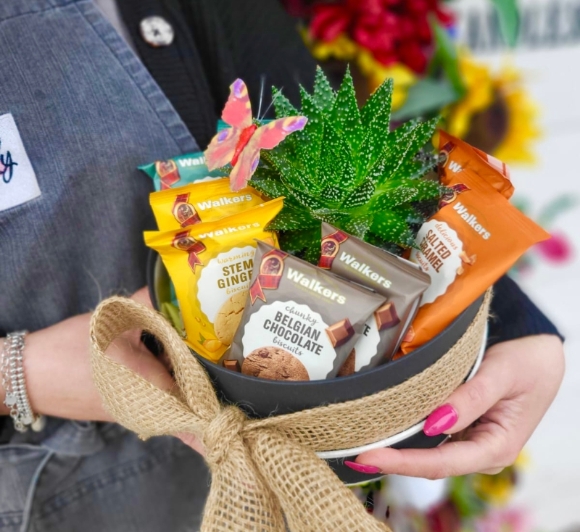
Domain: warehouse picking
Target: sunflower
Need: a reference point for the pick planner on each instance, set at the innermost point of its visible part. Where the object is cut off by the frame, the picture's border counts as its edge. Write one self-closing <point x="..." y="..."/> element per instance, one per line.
<point x="403" y="77"/>
<point x="496" y="114"/>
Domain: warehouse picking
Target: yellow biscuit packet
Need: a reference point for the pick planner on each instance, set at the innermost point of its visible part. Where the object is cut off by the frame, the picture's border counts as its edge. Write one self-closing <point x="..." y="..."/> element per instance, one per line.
<point x="211" y="266"/>
<point x="200" y="202"/>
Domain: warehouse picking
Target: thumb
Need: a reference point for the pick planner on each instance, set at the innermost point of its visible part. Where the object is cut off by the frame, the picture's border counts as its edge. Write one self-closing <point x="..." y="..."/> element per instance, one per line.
<point x="191" y="441"/>
<point x="471" y="400"/>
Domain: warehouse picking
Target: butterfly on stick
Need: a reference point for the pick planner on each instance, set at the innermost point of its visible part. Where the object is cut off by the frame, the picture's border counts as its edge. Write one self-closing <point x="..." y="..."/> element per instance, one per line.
<point x="240" y="145"/>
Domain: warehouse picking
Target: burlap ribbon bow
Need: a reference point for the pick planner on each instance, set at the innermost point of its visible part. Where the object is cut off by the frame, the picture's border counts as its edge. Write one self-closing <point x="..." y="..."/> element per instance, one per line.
<point x="265" y="473"/>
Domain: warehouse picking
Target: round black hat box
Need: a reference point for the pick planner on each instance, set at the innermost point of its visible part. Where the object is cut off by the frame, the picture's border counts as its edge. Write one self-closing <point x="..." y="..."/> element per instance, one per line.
<point x="263" y="398"/>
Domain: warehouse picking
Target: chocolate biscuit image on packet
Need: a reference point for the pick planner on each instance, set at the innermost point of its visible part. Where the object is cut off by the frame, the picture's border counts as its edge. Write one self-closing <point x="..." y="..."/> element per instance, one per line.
<point x="474" y="238"/>
<point x="211" y="265"/>
<point x="300" y="322"/>
<point x="397" y="279"/>
<point x="180" y="171"/>
<point x="200" y="202"/>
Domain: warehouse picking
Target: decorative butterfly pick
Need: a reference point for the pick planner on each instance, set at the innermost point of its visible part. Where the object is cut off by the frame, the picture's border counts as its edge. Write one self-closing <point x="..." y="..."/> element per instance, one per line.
<point x="240" y="145"/>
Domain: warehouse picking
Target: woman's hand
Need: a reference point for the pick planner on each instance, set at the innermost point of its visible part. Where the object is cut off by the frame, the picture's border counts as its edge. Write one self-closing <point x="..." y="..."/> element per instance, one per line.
<point x="491" y="417"/>
<point x="58" y="369"/>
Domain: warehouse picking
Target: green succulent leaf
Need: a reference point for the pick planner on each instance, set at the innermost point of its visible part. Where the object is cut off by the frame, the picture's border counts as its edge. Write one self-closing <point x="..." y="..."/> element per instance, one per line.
<point x="420" y="135"/>
<point x="292" y="219"/>
<point x="282" y="105"/>
<point x="335" y="218"/>
<point x="334" y="195"/>
<point x="358" y="226"/>
<point x="311" y="202"/>
<point x="361" y="195"/>
<point x="347" y="168"/>
<point x="378" y="106"/>
<point x="263" y="182"/>
<point x="399" y="156"/>
<point x="297" y="241"/>
<point x="345" y="114"/>
<point x="410" y="213"/>
<point x="409" y="192"/>
<point x="324" y="97"/>
<point x="336" y="170"/>
<point x="312" y="252"/>
<point x="396" y="197"/>
<point x="308" y="142"/>
<point x="392" y="227"/>
<point x="293" y="177"/>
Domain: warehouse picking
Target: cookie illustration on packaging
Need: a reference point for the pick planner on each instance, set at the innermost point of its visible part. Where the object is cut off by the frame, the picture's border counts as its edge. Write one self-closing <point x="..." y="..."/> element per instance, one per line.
<point x="274" y="363"/>
<point x="228" y="317"/>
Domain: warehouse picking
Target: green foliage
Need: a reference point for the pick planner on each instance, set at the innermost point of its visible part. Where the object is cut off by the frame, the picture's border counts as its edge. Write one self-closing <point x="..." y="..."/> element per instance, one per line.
<point x="427" y="96"/>
<point x="446" y="57"/>
<point x="509" y="19"/>
<point x="347" y="168"/>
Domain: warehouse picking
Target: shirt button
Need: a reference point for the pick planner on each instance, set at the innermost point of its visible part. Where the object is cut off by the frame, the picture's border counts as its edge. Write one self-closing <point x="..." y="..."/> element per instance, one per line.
<point x="156" y="31"/>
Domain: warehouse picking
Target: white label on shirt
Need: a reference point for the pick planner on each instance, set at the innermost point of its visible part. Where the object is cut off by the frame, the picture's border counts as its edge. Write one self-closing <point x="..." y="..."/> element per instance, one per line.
<point x="18" y="182"/>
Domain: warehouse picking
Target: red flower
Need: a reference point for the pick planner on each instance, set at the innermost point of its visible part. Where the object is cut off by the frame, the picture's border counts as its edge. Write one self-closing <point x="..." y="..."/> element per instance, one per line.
<point x="444" y="518"/>
<point x="392" y="30"/>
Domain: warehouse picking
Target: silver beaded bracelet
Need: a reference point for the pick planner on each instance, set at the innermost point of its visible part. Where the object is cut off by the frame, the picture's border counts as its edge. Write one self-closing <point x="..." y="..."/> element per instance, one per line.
<point x="14" y="384"/>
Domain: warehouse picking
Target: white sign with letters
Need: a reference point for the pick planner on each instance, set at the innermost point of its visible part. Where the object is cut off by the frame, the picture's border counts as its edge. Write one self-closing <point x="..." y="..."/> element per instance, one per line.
<point x="18" y="182"/>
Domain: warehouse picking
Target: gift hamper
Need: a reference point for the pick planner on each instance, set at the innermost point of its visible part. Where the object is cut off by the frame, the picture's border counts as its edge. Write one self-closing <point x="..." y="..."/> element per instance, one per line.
<point x="324" y="280"/>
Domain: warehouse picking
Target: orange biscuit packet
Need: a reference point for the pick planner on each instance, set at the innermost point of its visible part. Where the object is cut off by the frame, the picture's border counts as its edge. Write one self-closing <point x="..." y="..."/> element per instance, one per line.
<point x="200" y="202"/>
<point x="474" y="238"/>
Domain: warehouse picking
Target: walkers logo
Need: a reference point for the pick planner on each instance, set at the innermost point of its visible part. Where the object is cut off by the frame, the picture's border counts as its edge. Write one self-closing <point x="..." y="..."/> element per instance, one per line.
<point x="315" y="285"/>
<point x="221" y="202"/>
<point x="455" y="167"/>
<point x="471" y="220"/>
<point x="365" y="269"/>
<point x="18" y="182"/>
<point x="191" y="161"/>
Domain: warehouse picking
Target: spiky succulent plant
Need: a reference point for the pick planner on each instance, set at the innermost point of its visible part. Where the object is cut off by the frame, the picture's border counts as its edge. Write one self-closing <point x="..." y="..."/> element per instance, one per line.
<point x="347" y="168"/>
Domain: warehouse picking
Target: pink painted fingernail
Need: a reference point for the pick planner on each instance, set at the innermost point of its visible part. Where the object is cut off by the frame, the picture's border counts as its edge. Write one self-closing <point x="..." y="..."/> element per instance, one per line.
<point x="368" y="469"/>
<point x="440" y="420"/>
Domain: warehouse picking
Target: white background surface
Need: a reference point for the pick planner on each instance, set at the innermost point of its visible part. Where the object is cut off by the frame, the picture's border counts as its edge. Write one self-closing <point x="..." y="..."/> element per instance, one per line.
<point x="551" y="486"/>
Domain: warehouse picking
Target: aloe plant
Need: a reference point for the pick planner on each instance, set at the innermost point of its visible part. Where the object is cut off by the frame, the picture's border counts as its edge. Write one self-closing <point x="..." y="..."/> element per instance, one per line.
<point x="346" y="167"/>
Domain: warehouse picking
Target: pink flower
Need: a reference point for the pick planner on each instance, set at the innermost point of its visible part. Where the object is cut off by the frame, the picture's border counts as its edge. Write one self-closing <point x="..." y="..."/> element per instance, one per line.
<point x="504" y="520"/>
<point x="556" y="249"/>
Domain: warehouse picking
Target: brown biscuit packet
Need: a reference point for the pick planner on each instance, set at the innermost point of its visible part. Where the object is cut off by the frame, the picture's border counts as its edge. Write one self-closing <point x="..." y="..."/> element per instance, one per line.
<point x="399" y="280"/>
<point x="300" y="322"/>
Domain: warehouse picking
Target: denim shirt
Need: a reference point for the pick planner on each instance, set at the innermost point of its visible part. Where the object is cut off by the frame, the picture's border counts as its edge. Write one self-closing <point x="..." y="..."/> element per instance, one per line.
<point x="87" y="113"/>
